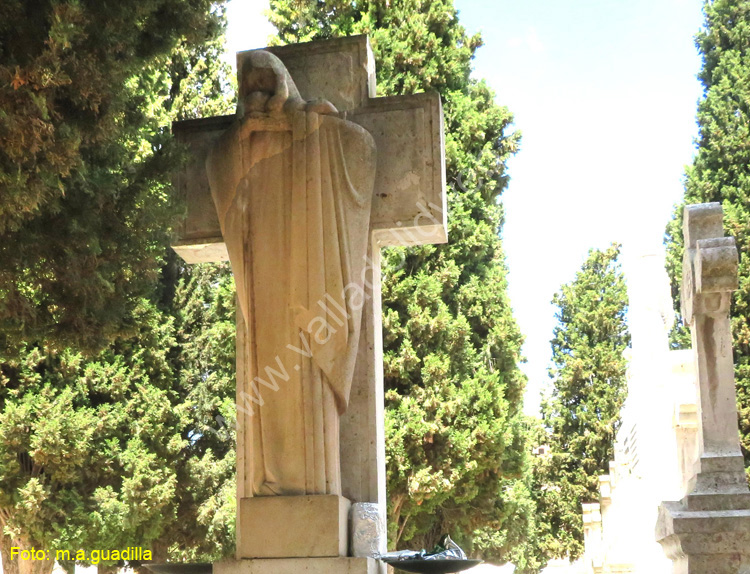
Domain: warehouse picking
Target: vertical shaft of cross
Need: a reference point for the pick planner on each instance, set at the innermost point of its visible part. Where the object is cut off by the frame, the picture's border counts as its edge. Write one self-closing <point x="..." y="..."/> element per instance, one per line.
<point x="712" y="339"/>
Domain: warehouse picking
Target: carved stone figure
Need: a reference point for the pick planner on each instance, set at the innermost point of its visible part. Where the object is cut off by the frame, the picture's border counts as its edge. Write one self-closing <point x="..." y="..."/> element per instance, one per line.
<point x="292" y="184"/>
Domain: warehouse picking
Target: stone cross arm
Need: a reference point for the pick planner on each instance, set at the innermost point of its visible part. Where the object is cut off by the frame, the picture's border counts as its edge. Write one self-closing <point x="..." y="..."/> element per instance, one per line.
<point x="409" y="203"/>
<point x="710" y="262"/>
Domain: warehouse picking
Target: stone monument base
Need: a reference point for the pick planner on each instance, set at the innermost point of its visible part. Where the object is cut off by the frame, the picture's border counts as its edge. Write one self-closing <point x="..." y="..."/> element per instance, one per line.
<point x="339" y="565"/>
<point x="708" y="531"/>
<point x="705" y="541"/>
<point x="310" y="526"/>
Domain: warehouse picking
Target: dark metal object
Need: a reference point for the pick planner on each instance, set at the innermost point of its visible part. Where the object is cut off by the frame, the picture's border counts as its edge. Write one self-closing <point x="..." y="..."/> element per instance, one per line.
<point x="180" y="568"/>
<point x="446" y="566"/>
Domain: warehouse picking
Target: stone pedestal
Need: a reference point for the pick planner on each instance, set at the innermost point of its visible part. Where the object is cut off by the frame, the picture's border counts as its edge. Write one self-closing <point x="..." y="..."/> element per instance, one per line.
<point x="718" y="481"/>
<point x="708" y="531"/>
<point x="299" y="566"/>
<point x="293" y="526"/>
<point x="706" y="541"/>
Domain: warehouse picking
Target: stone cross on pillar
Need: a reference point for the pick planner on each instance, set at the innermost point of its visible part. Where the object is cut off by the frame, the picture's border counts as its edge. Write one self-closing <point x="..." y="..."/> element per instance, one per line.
<point x="709" y="277"/>
<point x="403" y="141"/>
<point x="709" y="530"/>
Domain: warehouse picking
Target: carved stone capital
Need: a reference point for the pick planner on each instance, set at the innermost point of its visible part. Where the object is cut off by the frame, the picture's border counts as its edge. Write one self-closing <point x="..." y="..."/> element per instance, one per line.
<point x="709" y="266"/>
<point x="716" y="265"/>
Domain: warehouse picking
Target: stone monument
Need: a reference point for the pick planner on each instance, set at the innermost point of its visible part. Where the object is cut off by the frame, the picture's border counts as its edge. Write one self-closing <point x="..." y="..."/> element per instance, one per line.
<point x="708" y="531"/>
<point x="299" y="191"/>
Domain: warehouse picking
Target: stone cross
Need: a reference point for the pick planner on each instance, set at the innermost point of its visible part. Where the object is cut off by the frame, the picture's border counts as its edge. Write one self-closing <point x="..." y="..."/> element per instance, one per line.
<point x="408" y="207"/>
<point x="709" y="276"/>
<point x="709" y="530"/>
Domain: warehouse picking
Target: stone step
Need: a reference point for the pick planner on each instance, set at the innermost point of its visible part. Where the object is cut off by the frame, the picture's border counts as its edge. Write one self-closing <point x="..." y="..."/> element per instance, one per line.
<point x="733" y="482"/>
<point x="713" y="501"/>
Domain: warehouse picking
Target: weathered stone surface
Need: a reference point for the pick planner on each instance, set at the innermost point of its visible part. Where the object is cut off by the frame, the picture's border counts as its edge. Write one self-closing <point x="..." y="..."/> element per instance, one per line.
<point x="702" y="221"/>
<point x="718" y="475"/>
<point x="367" y="530"/>
<point x="292" y="186"/>
<point x="362" y="440"/>
<point x="341" y="70"/>
<point x="409" y="201"/>
<point x="293" y="526"/>
<point x="199" y="237"/>
<point x="709" y="277"/>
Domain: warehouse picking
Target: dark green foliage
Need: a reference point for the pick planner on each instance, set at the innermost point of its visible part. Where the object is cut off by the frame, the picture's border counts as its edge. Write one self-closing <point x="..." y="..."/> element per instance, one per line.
<point x="455" y="441"/>
<point x="582" y="415"/>
<point x="517" y="539"/>
<point x="85" y="161"/>
<point x="721" y="172"/>
<point x="89" y="446"/>
<point x="205" y="368"/>
<point x="125" y="448"/>
<point x="110" y="448"/>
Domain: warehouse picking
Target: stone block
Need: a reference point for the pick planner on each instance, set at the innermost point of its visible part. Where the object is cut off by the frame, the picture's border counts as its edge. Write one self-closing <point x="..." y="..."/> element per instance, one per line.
<point x="724" y="501"/>
<point x="198" y="236"/>
<point x="716" y="265"/>
<point x="368" y="536"/>
<point x="704" y="541"/>
<point x="293" y="526"/>
<point x="719" y="475"/>
<point x="299" y="566"/>
<point x="702" y="221"/>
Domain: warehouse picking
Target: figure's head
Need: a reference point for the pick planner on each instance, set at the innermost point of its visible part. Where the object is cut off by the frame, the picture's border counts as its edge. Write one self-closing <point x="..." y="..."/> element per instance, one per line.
<point x="259" y="73"/>
<point x="265" y="84"/>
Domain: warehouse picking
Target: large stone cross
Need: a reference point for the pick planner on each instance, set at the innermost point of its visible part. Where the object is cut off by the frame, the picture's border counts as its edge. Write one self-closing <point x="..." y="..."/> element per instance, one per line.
<point x="408" y="208"/>
<point x="708" y="279"/>
<point x="709" y="529"/>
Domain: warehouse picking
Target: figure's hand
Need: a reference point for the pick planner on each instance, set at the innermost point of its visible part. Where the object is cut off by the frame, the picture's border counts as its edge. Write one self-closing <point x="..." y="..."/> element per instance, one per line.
<point x="255" y="103"/>
<point x="323" y="107"/>
<point x="273" y="102"/>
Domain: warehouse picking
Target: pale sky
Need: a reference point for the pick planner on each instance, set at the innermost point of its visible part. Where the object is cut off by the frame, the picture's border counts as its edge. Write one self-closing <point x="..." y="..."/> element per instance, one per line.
<point x="605" y="94"/>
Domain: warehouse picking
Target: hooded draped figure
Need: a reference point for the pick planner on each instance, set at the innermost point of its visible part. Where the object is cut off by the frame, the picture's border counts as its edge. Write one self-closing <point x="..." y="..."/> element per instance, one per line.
<point x="292" y="184"/>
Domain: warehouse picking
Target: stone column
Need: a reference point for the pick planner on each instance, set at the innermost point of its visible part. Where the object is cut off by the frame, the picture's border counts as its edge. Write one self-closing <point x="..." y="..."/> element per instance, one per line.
<point x="592" y="537"/>
<point x="708" y="531"/>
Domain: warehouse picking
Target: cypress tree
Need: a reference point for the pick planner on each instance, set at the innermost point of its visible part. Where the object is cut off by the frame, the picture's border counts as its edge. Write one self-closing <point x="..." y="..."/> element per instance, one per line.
<point x="205" y="499"/>
<point x="582" y="415"/>
<point x="455" y="442"/>
<point x="85" y="162"/>
<point x="89" y="444"/>
<point x="105" y="404"/>
<point x="721" y="172"/>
